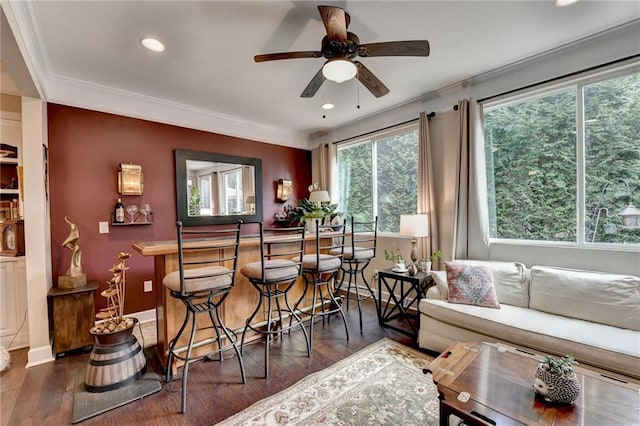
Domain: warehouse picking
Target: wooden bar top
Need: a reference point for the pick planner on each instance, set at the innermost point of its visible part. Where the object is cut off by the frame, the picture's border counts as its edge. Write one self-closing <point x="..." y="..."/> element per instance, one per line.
<point x="159" y="248"/>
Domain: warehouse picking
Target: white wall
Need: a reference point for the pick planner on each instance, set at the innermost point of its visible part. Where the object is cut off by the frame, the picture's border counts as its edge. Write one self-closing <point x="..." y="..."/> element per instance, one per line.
<point x="600" y="49"/>
<point x="37" y="228"/>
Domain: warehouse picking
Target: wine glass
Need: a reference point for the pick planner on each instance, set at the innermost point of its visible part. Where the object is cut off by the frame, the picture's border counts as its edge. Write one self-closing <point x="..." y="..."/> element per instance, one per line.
<point x="145" y="209"/>
<point x="132" y="209"/>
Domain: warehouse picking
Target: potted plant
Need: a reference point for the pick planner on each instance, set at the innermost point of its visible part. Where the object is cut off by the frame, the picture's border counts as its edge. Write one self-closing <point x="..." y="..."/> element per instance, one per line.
<point x="426" y="263"/>
<point x="115" y="327"/>
<point x="556" y="381"/>
<point x="392" y="254"/>
<point x="307" y="210"/>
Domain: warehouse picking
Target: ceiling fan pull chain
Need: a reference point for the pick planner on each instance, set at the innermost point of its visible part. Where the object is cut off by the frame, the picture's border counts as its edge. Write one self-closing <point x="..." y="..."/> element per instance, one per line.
<point x="324" y="114"/>
<point x="358" y="90"/>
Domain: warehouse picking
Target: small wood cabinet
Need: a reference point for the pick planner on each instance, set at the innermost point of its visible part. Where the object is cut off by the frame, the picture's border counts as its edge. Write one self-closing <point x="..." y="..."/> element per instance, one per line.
<point x="71" y="316"/>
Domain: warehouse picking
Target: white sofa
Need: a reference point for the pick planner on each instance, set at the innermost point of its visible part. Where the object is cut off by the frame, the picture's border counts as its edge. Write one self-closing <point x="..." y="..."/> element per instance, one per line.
<point x="594" y="316"/>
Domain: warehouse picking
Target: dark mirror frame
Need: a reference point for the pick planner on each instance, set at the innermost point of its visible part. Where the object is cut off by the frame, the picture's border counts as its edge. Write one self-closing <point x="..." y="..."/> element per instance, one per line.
<point x="182" y="207"/>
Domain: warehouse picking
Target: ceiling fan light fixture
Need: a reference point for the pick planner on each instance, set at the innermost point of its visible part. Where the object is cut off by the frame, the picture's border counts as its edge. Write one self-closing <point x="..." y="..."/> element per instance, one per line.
<point x="152" y="44"/>
<point x="339" y="70"/>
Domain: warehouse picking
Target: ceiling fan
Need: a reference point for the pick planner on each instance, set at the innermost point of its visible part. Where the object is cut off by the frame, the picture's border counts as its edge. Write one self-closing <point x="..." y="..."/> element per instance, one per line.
<point x="340" y="47"/>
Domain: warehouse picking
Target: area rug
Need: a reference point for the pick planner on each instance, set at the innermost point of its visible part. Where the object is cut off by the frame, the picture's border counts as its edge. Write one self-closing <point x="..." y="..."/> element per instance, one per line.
<point x="87" y="404"/>
<point x="382" y="384"/>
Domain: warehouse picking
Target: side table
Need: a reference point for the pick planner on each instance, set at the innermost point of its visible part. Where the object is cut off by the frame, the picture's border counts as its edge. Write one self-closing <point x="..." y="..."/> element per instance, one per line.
<point x="404" y="294"/>
<point x="71" y="315"/>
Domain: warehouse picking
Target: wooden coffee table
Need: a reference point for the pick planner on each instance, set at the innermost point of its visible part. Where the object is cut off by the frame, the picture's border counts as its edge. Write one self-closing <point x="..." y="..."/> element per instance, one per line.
<point x="499" y="382"/>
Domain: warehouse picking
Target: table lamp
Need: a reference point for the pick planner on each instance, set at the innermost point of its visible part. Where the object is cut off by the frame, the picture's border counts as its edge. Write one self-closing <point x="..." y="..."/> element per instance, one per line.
<point x="319" y="197"/>
<point x="414" y="226"/>
<point x="251" y="201"/>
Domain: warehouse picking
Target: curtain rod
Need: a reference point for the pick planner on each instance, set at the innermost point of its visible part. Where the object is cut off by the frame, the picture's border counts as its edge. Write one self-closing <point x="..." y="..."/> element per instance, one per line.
<point x="571" y="74"/>
<point x="430" y="115"/>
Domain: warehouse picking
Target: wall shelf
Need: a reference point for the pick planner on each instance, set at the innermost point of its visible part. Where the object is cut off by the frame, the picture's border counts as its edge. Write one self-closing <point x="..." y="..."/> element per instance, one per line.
<point x="137" y="219"/>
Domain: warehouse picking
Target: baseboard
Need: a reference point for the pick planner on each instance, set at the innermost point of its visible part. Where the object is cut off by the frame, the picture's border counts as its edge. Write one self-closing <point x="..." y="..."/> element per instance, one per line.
<point x="40" y="355"/>
<point x="146" y="333"/>
<point x="144" y="316"/>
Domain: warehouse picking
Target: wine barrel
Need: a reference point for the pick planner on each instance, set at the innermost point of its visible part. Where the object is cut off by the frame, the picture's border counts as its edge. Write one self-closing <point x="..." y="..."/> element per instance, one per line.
<point x="115" y="366"/>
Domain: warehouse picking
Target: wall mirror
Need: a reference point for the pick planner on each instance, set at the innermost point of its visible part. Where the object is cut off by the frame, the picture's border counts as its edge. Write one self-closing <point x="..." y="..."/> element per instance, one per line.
<point x="217" y="189"/>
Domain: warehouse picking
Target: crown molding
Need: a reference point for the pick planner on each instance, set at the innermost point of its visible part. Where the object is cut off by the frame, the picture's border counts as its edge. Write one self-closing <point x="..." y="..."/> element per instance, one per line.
<point x="82" y="94"/>
<point x="102" y="98"/>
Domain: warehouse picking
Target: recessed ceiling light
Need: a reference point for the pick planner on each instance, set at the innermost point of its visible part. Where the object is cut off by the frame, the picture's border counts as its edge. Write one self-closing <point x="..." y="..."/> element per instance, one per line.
<point x="152" y="44"/>
<point x="563" y="3"/>
<point x="327" y="106"/>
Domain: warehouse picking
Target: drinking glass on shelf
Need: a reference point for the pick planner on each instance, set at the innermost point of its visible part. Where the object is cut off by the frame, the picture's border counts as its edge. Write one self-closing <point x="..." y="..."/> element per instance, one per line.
<point x="132" y="209"/>
<point x="145" y="209"/>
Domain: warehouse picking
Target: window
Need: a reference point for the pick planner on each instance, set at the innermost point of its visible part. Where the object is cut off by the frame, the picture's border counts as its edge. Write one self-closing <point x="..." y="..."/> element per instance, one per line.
<point x="204" y="182"/>
<point x="562" y="165"/>
<point x="232" y="191"/>
<point x="378" y="177"/>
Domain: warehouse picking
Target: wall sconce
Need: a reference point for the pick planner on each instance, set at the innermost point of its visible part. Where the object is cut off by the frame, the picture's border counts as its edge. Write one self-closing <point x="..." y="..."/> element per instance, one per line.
<point x="130" y="179"/>
<point x="285" y="187"/>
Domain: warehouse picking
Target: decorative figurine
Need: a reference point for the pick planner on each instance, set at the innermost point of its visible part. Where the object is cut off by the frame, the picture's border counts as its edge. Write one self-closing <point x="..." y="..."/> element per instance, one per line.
<point x="74" y="277"/>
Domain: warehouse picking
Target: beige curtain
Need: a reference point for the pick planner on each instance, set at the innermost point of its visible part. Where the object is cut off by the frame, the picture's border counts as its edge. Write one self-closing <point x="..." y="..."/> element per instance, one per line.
<point x="471" y="213"/>
<point x="426" y="193"/>
<point x="323" y="169"/>
<point x="247" y="185"/>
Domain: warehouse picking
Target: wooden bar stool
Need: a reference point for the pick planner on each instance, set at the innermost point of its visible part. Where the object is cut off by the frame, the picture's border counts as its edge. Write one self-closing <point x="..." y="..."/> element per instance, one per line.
<point x="207" y="261"/>
<point x="357" y="256"/>
<point x="281" y="251"/>
<point x="319" y="271"/>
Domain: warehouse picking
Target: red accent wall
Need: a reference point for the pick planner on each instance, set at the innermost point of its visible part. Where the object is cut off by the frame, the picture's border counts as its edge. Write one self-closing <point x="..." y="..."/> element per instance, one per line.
<point x="85" y="148"/>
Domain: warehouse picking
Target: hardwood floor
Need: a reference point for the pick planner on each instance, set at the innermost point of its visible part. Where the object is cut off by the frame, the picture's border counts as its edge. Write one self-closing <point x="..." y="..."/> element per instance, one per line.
<point x="44" y="394"/>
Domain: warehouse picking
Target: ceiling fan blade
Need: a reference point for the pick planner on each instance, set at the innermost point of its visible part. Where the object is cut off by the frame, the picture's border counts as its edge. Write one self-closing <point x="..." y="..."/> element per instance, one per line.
<point x="395" y="48"/>
<point x="370" y="81"/>
<point x="287" y="55"/>
<point x="335" y="22"/>
<point x="313" y="85"/>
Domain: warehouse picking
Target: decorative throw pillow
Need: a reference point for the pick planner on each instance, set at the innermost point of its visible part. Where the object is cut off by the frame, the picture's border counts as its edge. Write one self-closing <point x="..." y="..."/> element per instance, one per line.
<point x="471" y="285"/>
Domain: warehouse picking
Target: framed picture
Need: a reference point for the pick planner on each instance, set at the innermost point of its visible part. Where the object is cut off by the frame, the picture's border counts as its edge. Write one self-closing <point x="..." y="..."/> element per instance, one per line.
<point x="12" y="238"/>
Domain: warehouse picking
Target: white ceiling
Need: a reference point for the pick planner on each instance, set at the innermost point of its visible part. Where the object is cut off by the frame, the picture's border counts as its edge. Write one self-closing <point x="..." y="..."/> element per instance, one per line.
<point x="88" y="54"/>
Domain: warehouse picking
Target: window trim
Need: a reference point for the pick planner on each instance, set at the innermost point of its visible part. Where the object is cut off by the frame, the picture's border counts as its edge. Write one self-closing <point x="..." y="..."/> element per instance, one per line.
<point x="371" y="137"/>
<point x="578" y="84"/>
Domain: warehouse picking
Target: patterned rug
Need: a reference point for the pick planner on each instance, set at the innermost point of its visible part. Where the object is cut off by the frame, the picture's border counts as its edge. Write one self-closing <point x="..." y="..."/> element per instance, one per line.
<point x="382" y="384"/>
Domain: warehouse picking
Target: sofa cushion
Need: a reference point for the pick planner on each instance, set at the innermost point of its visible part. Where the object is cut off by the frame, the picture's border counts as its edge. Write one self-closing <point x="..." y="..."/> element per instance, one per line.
<point x="441" y="289"/>
<point x="510" y="279"/>
<point x="471" y="285"/>
<point x="600" y="345"/>
<point x="587" y="295"/>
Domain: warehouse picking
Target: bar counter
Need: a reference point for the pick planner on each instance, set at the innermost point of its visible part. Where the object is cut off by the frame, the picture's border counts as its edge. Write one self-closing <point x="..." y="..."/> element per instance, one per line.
<point x="238" y="306"/>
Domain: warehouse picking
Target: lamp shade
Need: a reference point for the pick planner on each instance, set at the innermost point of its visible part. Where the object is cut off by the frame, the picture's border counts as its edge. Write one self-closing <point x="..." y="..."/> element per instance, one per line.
<point x="319" y="196"/>
<point x="339" y="70"/>
<point x="414" y="225"/>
